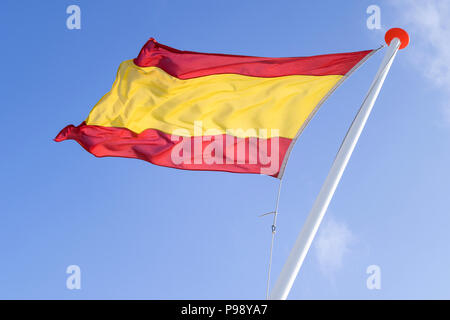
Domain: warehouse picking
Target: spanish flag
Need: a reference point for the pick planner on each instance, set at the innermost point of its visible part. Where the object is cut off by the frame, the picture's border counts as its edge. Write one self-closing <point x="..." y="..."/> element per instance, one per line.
<point x="203" y="111"/>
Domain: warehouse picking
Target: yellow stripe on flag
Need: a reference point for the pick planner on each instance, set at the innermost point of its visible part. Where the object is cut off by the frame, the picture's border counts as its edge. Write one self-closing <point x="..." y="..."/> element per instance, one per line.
<point x="149" y="98"/>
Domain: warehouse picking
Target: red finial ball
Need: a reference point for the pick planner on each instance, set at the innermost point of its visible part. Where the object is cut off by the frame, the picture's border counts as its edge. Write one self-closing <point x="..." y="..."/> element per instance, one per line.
<point x="401" y="34"/>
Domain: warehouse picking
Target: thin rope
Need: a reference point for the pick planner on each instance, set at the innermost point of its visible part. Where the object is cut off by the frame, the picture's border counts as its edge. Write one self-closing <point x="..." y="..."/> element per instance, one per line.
<point x="274" y="228"/>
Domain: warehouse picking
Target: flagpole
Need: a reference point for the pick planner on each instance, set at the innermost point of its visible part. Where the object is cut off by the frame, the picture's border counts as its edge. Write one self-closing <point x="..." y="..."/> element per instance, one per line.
<point x="396" y="39"/>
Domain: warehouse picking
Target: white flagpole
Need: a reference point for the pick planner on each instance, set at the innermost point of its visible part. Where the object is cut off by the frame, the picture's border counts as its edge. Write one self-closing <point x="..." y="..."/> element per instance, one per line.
<point x="292" y="266"/>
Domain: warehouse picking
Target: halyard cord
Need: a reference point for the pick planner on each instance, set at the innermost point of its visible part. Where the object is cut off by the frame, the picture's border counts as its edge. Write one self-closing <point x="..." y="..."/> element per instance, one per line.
<point x="283" y="165"/>
<point x="274" y="228"/>
<point x="359" y="111"/>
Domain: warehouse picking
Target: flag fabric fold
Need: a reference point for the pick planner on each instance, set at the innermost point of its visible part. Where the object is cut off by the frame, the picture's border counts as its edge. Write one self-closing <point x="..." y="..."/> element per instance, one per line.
<point x="201" y="111"/>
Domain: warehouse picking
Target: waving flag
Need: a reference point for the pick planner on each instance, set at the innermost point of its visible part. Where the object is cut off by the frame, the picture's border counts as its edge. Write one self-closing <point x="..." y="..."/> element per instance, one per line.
<point x="201" y="111"/>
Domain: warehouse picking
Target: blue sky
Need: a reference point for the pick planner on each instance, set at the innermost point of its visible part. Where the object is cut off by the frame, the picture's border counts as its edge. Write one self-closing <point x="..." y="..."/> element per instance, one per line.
<point x="140" y="231"/>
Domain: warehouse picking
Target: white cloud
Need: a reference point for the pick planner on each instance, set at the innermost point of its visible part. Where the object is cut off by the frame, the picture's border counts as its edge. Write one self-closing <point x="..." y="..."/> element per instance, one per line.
<point x="333" y="242"/>
<point x="429" y="25"/>
<point x="429" y="22"/>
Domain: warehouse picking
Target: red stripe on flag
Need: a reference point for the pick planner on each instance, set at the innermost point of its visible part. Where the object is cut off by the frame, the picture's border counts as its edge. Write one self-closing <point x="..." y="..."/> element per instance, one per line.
<point x="158" y="147"/>
<point x="188" y="64"/>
